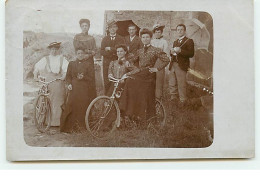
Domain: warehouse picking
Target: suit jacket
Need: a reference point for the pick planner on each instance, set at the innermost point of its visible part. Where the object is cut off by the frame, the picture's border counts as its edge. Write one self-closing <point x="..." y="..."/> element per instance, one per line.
<point x="133" y="45"/>
<point x="187" y="52"/>
<point x="107" y="42"/>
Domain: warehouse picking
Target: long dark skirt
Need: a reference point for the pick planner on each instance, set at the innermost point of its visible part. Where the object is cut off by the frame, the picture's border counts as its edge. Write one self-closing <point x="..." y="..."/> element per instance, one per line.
<point x="73" y="117"/>
<point x="138" y="97"/>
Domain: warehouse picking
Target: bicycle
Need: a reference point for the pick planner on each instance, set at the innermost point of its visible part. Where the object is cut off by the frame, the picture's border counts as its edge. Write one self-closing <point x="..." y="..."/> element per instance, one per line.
<point x="42" y="114"/>
<point x="103" y="114"/>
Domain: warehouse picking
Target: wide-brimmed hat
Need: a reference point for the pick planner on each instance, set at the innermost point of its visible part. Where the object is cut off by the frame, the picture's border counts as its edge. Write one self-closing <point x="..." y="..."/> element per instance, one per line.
<point x="54" y="44"/>
<point x="84" y="21"/>
<point x="111" y="22"/>
<point x="158" y="27"/>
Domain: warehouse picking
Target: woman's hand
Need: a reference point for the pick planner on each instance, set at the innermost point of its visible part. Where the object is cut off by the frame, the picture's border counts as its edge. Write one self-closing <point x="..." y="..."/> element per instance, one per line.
<point x="70" y="87"/>
<point x="124" y="76"/>
<point x="153" y="70"/>
<point x="107" y="48"/>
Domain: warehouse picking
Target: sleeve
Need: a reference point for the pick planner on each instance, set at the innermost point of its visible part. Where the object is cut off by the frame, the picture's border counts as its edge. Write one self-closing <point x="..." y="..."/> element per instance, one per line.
<point x="65" y="64"/>
<point x="68" y="77"/>
<point x="75" y="43"/>
<point x="92" y="46"/>
<point x="162" y="56"/>
<point x="189" y="52"/>
<point x="110" y="69"/>
<point x="133" y="57"/>
<point x="166" y="48"/>
<point x="103" y="46"/>
<point x="40" y="65"/>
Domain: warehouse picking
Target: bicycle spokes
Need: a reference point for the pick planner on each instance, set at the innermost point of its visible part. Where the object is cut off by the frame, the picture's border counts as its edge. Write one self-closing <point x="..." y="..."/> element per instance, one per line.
<point x="101" y="116"/>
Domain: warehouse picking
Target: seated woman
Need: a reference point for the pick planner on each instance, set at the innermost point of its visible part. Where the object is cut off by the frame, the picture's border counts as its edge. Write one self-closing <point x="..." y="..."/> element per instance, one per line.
<point x="82" y="90"/>
<point x="138" y="97"/>
<point x="119" y="67"/>
<point x="52" y="67"/>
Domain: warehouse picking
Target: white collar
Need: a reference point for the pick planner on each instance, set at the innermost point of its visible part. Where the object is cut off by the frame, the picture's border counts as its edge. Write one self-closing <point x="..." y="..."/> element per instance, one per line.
<point x="112" y="35"/>
<point x="182" y="37"/>
<point x="123" y="59"/>
<point x="132" y="38"/>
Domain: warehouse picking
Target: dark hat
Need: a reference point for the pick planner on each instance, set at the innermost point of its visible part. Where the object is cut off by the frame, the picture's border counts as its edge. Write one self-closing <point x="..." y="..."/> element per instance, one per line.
<point x="158" y="27"/>
<point x="110" y="23"/>
<point x="54" y="44"/>
<point x="84" y="21"/>
<point x="145" y="31"/>
<point x="131" y="25"/>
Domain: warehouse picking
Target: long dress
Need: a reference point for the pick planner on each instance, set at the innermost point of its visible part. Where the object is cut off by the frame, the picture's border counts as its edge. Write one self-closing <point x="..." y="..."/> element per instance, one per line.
<point x="82" y="93"/>
<point x="163" y="45"/>
<point x="138" y="97"/>
<point x="53" y="67"/>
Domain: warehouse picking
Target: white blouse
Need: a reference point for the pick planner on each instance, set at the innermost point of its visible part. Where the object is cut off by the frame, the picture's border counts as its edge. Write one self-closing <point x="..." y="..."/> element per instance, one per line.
<point x="162" y="44"/>
<point x="54" y="65"/>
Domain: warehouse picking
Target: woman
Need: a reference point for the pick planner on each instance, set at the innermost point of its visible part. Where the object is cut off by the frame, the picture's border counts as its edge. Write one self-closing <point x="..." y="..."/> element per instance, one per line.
<point x="85" y="41"/>
<point x="138" y="97"/>
<point x="52" y="67"/>
<point x="159" y="42"/>
<point x="118" y="67"/>
<point x="82" y="90"/>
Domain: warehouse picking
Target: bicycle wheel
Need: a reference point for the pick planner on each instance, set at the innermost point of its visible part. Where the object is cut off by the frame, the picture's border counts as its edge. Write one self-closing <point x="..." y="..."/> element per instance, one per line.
<point x="42" y="114"/>
<point x="158" y="122"/>
<point x="102" y="117"/>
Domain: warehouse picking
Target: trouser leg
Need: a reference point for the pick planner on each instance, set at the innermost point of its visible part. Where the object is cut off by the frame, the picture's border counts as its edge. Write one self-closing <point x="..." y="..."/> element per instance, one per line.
<point x="173" y="89"/>
<point x="181" y="81"/>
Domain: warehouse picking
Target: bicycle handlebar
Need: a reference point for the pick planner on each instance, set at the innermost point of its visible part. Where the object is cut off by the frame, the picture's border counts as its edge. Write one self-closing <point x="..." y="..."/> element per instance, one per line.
<point x="115" y="80"/>
<point x="46" y="83"/>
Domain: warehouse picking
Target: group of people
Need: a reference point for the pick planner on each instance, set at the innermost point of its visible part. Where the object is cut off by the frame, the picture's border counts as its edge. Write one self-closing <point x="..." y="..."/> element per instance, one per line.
<point x="145" y="58"/>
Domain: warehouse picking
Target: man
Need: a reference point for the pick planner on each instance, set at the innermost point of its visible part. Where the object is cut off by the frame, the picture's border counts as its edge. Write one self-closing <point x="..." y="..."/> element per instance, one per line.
<point x="108" y="50"/>
<point x="183" y="49"/>
<point x="133" y="42"/>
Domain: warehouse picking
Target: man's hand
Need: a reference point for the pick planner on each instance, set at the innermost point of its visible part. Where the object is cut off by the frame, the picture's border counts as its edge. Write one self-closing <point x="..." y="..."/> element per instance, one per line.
<point x="153" y="70"/>
<point x="70" y="87"/>
<point x="107" y="48"/>
<point x="177" y="49"/>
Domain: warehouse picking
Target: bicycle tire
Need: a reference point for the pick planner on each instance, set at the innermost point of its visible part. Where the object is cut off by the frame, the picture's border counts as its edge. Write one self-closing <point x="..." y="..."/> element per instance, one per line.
<point x="47" y="113"/>
<point x="158" y="121"/>
<point x="90" y="118"/>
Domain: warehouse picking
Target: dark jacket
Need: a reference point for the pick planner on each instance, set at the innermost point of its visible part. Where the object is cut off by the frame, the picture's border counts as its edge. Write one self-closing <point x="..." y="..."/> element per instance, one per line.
<point x="107" y="42"/>
<point x="187" y="52"/>
<point x="133" y="45"/>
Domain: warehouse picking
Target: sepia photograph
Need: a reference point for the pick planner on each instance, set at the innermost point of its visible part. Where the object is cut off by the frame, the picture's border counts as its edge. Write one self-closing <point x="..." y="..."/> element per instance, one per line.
<point x="119" y="79"/>
<point x="113" y="80"/>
